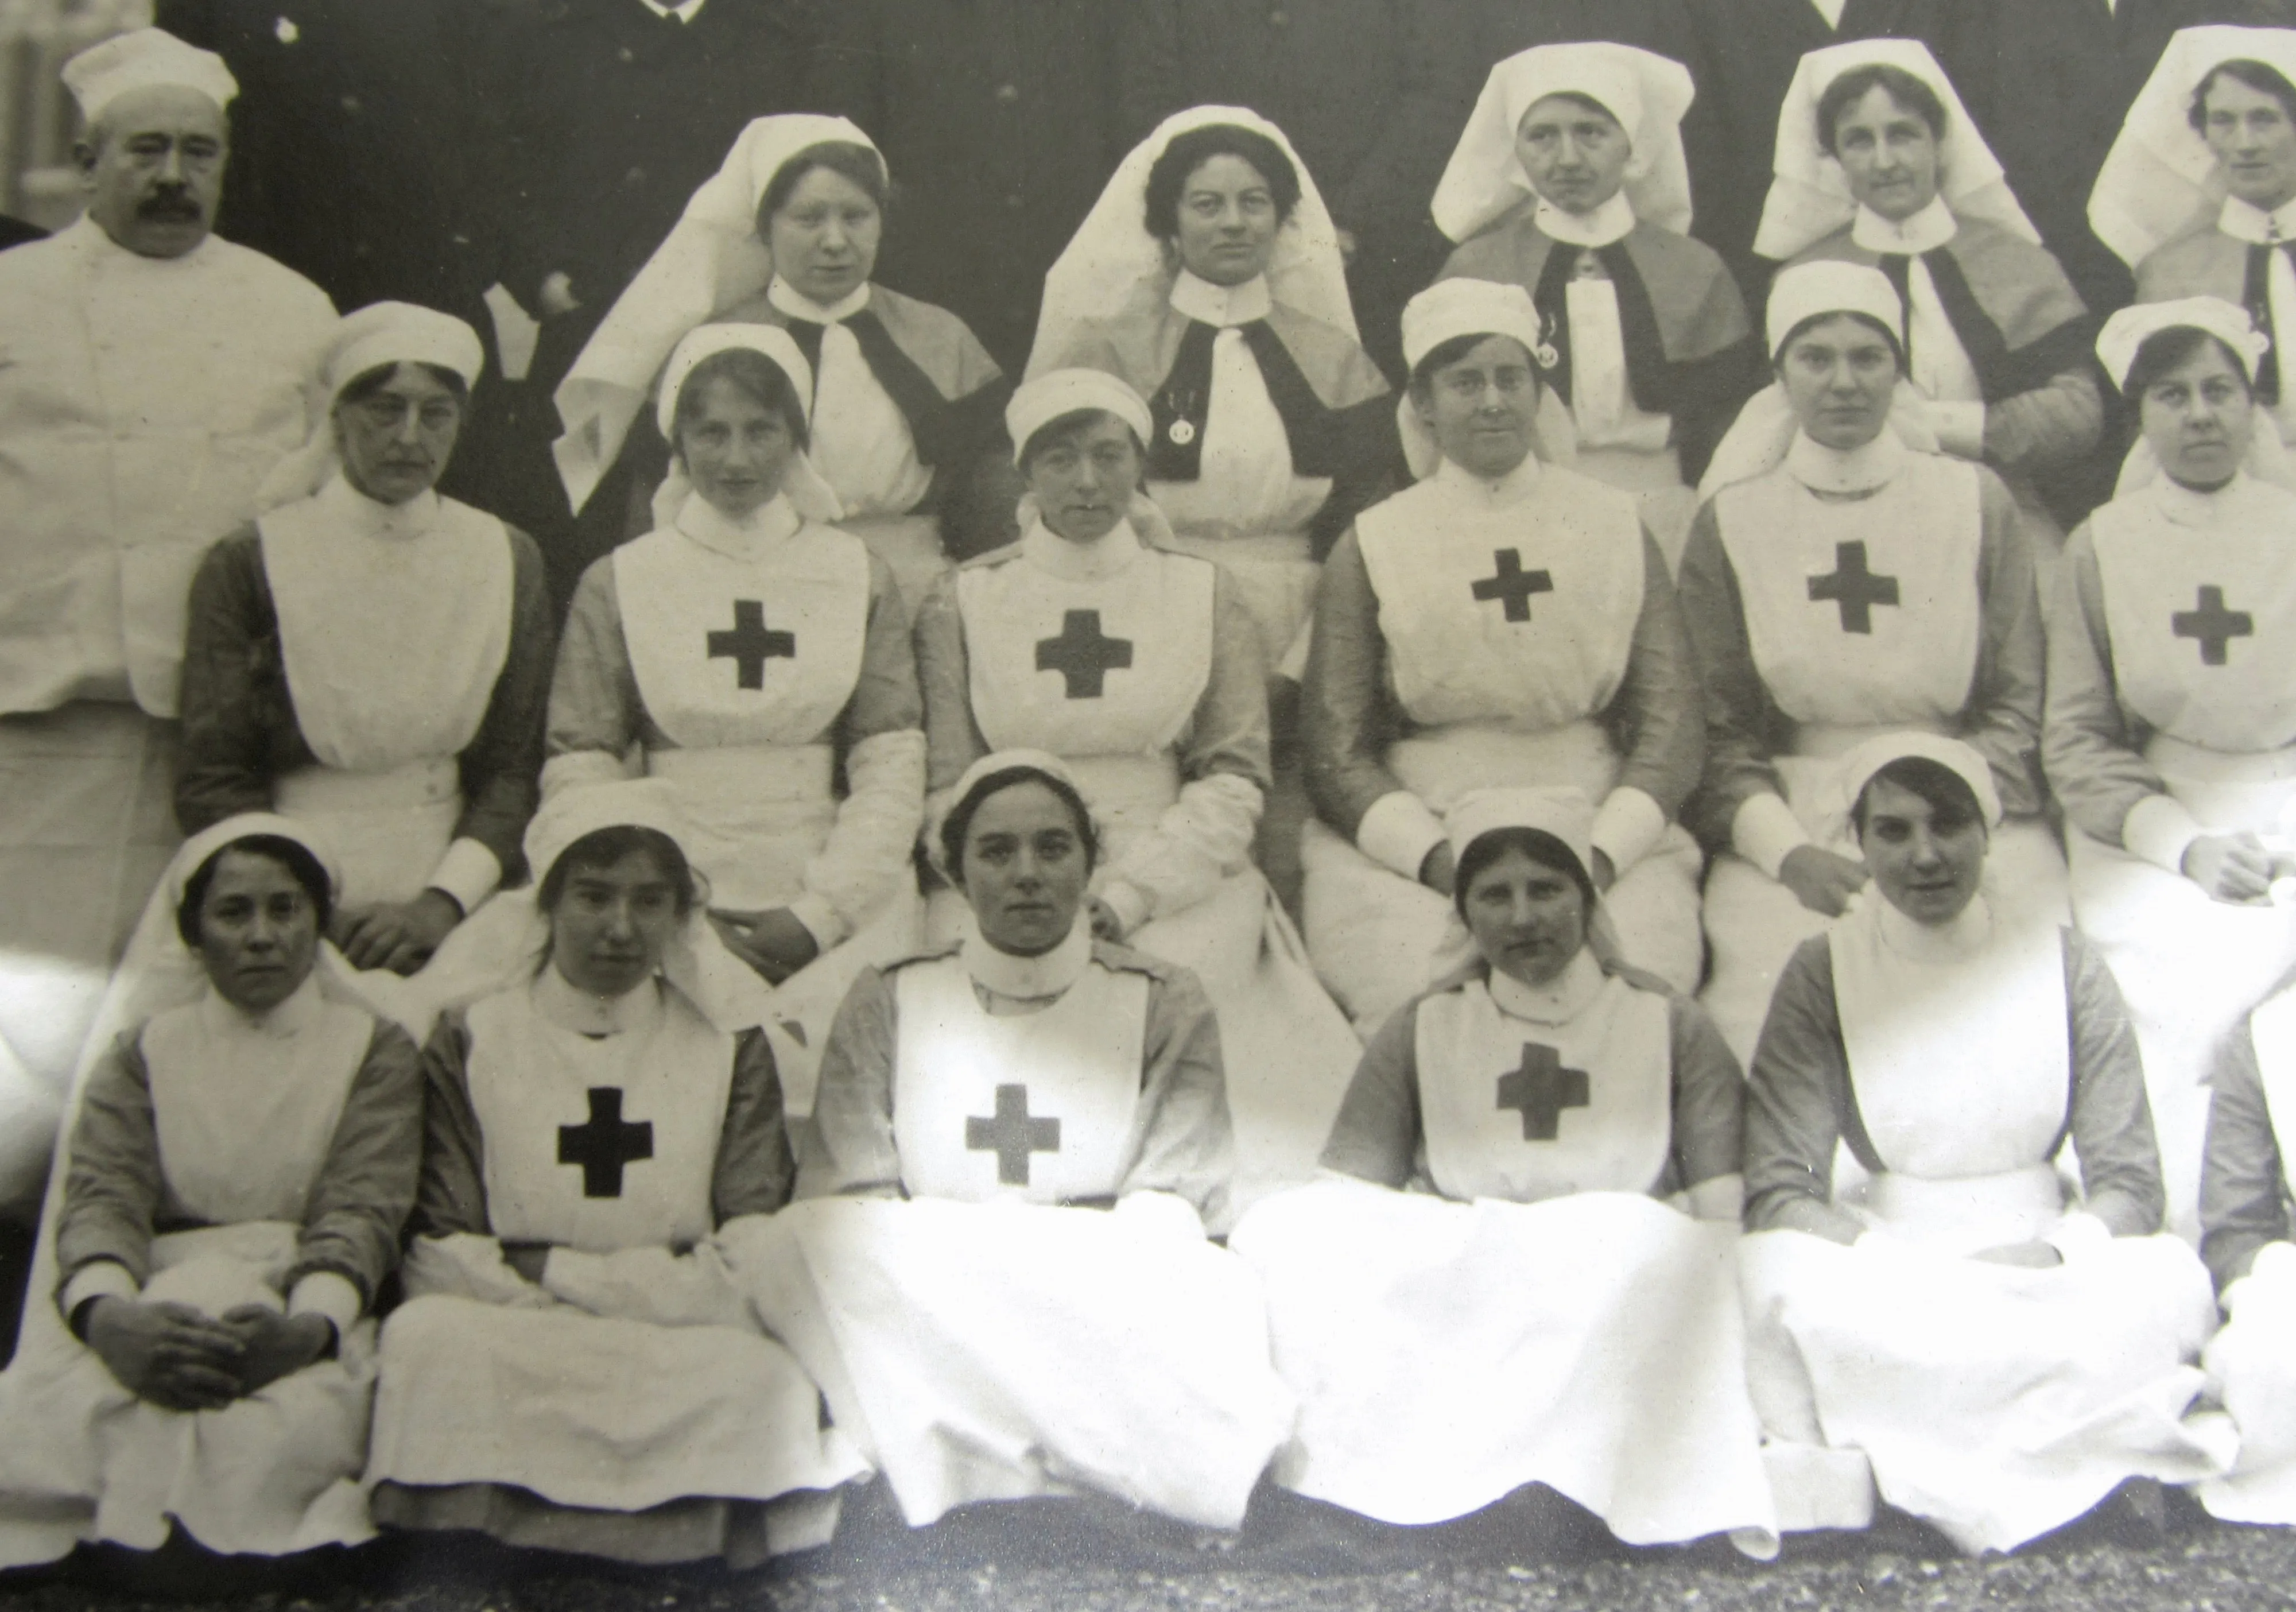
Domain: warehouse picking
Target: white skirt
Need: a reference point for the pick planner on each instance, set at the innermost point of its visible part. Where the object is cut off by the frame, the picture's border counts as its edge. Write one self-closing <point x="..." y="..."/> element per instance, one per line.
<point x="2252" y="1362"/>
<point x="1446" y="1354"/>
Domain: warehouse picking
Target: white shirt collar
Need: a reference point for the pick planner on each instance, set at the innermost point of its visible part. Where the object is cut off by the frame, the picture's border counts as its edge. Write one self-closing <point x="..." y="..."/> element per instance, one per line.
<point x="1613" y="221"/>
<point x="1966" y="936"/>
<point x="797" y="305"/>
<point x="2245" y="222"/>
<point x="297" y="1013"/>
<point x="1557" y="1003"/>
<point x="557" y="1000"/>
<point x="1224" y="305"/>
<point x="1855" y="470"/>
<point x="769" y="525"/>
<point x="89" y="237"/>
<point x="1105" y="557"/>
<point x="2188" y="506"/>
<point x="685" y="11"/>
<point x="1925" y="231"/>
<point x="1031" y="979"/>
<point x="353" y="512"/>
<point x="1510" y="488"/>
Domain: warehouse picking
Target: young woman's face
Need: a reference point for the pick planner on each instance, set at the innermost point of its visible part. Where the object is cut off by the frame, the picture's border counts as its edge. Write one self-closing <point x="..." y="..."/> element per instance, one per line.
<point x="1888" y="155"/>
<point x="1480" y="408"/>
<point x="1025" y="868"/>
<point x="1226" y="222"/>
<point x="824" y="238"/>
<point x="258" y="932"/>
<point x="1575" y="157"/>
<point x="736" y="450"/>
<point x="2198" y="418"/>
<point x="1925" y="862"/>
<point x="1527" y="919"/>
<point x="1084" y="481"/>
<point x="396" y="441"/>
<point x="612" y="925"/>
<point x="1839" y="376"/>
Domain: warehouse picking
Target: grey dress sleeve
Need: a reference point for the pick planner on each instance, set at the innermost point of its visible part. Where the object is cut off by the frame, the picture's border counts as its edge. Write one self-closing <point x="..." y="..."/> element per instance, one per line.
<point x="367" y="1188"/>
<point x="2244" y="1180"/>
<point x="1378" y="1133"/>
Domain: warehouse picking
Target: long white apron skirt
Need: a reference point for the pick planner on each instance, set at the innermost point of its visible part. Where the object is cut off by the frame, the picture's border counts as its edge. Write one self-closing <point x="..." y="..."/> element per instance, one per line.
<point x="1378" y="939"/>
<point x="2252" y="1362"/>
<point x="1003" y="1351"/>
<point x="1994" y="1401"/>
<point x="2190" y="967"/>
<point x="83" y="1458"/>
<point x="1446" y="1354"/>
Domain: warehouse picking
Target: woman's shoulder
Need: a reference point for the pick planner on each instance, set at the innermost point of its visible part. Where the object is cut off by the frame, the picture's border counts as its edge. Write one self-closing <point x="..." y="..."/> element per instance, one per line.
<point x="1837" y="246"/>
<point x="1682" y="253"/>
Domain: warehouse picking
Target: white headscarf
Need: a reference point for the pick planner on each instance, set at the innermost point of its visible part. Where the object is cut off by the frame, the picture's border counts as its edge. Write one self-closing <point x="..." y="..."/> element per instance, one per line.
<point x="1112" y="255"/>
<point x="1451" y="309"/>
<point x="808" y="492"/>
<point x="379" y="333"/>
<point x="1648" y="95"/>
<point x="2267" y="458"/>
<point x="1862" y="762"/>
<point x="1019" y="758"/>
<point x="711" y="259"/>
<point x="141" y="59"/>
<point x="1038" y="401"/>
<point x="2160" y="178"/>
<point x="1809" y="195"/>
<point x="1565" y="814"/>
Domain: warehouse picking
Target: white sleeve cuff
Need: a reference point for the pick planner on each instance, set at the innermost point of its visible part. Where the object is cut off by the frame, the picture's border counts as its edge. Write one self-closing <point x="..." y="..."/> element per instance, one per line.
<point x="1128" y="902"/>
<point x="1765" y="831"/>
<point x="105" y="1278"/>
<point x="2159" y="829"/>
<point x="1960" y="428"/>
<point x="577" y="768"/>
<point x="331" y="1293"/>
<point x="1626" y="826"/>
<point x="469" y="872"/>
<point x="820" y="920"/>
<point x="1397" y="832"/>
<point x="2077" y="1235"/>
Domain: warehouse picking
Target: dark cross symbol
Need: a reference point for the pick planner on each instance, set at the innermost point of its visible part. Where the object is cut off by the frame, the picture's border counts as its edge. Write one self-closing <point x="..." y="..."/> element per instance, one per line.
<point x="1542" y="1089"/>
<point x="603" y="1146"/>
<point x="748" y="645"/>
<point x="1011" y="1136"/>
<point x="1513" y="584"/>
<point x="1853" y="588"/>
<point x="2213" y="625"/>
<point x="1081" y="655"/>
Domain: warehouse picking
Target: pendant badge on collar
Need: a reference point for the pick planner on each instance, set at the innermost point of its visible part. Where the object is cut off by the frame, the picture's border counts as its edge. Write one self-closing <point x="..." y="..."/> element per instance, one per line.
<point x="1182" y="433"/>
<point x="1546" y="354"/>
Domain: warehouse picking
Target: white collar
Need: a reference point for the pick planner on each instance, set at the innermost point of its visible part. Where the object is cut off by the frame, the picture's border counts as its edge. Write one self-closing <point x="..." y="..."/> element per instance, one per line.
<point x="1029" y="979"/>
<point x="1510" y="488"/>
<point x="1968" y="935"/>
<point x="685" y="11"/>
<point x="89" y="237"/>
<point x="797" y="305"/>
<point x="297" y="1013"/>
<point x="2183" y="505"/>
<point x="1612" y="220"/>
<point x="1854" y="470"/>
<point x="1558" y="1003"/>
<point x="2245" y="222"/>
<point x="1105" y="557"/>
<point x="557" y="1000"/>
<point x="1225" y="306"/>
<point x="1925" y="231"/>
<point x="771" y="524"/>
<point x="349" y="510"/>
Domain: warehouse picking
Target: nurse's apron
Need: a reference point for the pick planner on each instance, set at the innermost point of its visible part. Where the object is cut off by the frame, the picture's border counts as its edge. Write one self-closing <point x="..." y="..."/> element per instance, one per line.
<point x="1617" y="443"/>
<point x="1504" y="686"/>
<point x="1845" y="666"/>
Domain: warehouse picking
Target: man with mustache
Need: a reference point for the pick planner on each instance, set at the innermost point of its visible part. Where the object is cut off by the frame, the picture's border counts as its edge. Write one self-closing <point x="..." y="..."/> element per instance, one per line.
<point x="154" y="374"/>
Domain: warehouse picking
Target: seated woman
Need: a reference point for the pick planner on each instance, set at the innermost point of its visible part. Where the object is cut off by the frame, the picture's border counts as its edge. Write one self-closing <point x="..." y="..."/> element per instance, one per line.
<point x="1878" y="163"/>
<point x="1848" y="585"/>
<point x="905" y="411"/>
<point x="1503" y="622"/>
<point x="1556" y="1321"/>
<point x="2169" y="736"/>
<point x="1006" y="1086"/>
<point x="1139" y="667"/>
<point x="574" y="1369"/>
<point x="1570" y="181"/>
<point x="372" y="658"/>
<point x="752" y="657"/>
<point x="2004" y="1360"/>
<point x="240" y="1168"/>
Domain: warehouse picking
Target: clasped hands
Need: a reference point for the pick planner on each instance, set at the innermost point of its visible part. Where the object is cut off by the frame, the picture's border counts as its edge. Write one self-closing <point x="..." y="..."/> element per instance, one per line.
<point x="396" y="935"/>
<point x="2238" y="868"/>
<point x="181" y="1359"/>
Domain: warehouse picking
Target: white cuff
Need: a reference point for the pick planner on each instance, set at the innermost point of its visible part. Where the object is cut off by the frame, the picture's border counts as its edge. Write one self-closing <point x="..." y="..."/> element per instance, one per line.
<point x="105" y="1278"/>
<point x="469" y="872"/>
<point x="2274" y="1267"/>
<point x="1626" y="826"/>
<point x="1960" y="428"/>
<point x="1397" y="832"/>
<point x="331" y="1293"/>
<point x="2077" y="1235"/>
<point x="2159" y="829"/>
<point x="820" y="920"/>
<point x="1766" y="830"/>
<point x="577" y="768"/>
<point x="1128" y="902"/>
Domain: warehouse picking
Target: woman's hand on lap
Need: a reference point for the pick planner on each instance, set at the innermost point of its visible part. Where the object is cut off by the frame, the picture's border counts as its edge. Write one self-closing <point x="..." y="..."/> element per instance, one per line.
<point x="396" y="935"/>
<point x="2032" y="1256"/>
<point x="169" y="1354"/>
<point x="1821" y="880"/>
<point x="2230" y="866"/>
<point x="1105" y="924"/>
<point x="773" y="943"/>
<point x="277" y="1346"/>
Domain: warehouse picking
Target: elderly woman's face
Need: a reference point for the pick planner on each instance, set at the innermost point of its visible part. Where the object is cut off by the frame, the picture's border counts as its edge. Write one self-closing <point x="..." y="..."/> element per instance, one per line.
<point x="1025" y="868"/>
<point x="2198" y="418"/>
<point x="258" y="932"/>
<point x="1084" y="480"/>
<point x="735" y="449"/>
<point x="1888" y="155"/>
<point x="396" y="441"/>
<point x="1527" y="919"/>
<point x="1480" y="408"/>
<point x="2249" y="133"/>
<point x="1226" y="221"/>
<point x="1925" y="860"/>
<point x="1839" y="376"/>
<point x="825" y="237"/>
<point x="612" y="924"/>
<point x="1574" y="156"/>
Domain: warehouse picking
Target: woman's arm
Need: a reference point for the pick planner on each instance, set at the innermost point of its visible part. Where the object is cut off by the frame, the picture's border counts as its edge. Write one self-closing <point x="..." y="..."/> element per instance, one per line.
<point x="2111" y="1120"/>
<point x="2003" y="720"/>
<point x="235" y="687"/>
<point x="1709" y="1113"/>
<point x="953" y="738"/>
<point x="2090" y="750"/>
<point x="2056" y="424"/>
<point x="593" y="691"/>
<point x="1187" y="1143"/>
<point x="1794" y="1097"/>
<point x="1656" y="721"/>
<point x="849" y="1149"/>
<point x="1739" y="804"/>
<point x="1376" y="1136"/>
<point x="502" y="766"/>
<point x="365" y="1191"/>
<point x="113" y="1186"/>
<point x="2244" y="1180"/>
